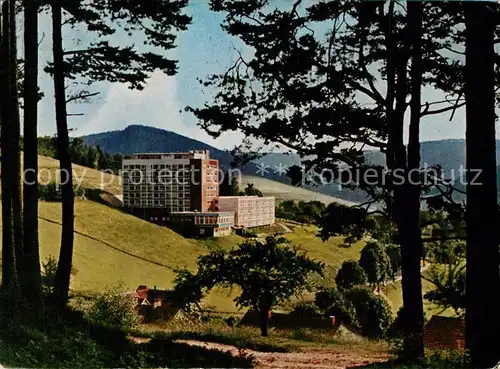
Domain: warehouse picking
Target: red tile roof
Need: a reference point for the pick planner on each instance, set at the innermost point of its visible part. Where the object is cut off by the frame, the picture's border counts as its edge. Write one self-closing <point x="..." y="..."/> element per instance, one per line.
<point x="444" y="333"/>
<point x="142" y="293"/>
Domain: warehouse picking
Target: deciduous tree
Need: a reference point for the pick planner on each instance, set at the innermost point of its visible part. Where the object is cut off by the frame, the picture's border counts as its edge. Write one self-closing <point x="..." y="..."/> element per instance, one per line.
<point x="268" y="273"/>
<point x="375" y="262"/>
<point x="350" y="275"/>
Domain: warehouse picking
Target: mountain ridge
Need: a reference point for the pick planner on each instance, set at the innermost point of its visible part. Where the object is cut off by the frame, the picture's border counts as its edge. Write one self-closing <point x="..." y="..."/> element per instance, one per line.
<point x="448" y="153"/>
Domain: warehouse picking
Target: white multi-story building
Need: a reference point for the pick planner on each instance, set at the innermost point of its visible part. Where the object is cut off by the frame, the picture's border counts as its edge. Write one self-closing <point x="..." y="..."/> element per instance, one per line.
<point x="171" y="182"/>
<point x="250" y="211"/>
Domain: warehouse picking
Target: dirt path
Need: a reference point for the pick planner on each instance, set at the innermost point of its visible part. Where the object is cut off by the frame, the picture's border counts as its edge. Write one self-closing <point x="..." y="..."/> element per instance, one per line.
<point x="310" y="358"/>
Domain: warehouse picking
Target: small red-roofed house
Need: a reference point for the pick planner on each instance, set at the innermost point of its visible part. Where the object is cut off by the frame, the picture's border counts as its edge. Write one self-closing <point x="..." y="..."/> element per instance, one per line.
<point x="154" y="304"/>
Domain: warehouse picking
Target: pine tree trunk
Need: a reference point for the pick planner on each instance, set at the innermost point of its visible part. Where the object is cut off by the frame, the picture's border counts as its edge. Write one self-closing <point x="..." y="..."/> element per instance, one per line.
<point x="409" y="212"/>
<point x="9" y="275"/>
<point x="15" y="147"/>
<point x="63" y="274"/>
<point x="483" y="282"/>
<point x="406" y="206"/>
<point x="32" y="281"/>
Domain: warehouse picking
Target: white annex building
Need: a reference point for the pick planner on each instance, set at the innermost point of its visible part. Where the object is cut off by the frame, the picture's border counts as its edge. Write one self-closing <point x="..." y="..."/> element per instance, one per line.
<point x="250" y="211"/>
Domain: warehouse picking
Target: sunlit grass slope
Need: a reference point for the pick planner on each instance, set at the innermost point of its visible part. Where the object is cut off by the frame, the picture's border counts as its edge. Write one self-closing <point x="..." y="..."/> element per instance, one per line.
<point x="112" y="246"/>
<point x="89" y="178"/>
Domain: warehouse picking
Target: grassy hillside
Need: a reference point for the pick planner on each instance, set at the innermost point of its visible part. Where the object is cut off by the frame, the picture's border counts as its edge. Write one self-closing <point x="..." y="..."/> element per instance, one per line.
<point x="89" y="178"/>
<point x="393" y="292"/>
<point x="112" y="246"/>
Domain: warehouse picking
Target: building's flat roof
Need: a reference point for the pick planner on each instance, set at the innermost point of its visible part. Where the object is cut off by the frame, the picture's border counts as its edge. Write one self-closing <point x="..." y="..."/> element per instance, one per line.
<point x="171" y="153"/>
<point x="235" y="197"/>
<point x="246" y="197"/>
<point x="207" y="213"/>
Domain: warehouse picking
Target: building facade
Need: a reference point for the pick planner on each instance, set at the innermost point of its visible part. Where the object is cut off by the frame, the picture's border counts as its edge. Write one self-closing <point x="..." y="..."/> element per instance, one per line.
<point x="181" y="190"/>
<point x="198" y="224"/>
<point x="250" y="211"/>
<point x="159" y="184"/>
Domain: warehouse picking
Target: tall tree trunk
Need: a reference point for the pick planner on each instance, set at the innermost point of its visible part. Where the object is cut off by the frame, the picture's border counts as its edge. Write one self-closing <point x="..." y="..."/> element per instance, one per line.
<point x="32" y="281"/>
<point x="9" y="275"/>
<point x="483" y="282"/>
<point x="264" y="321"/>
<point x="405" y="209"/>
<point x="63" y="274"/>
<point x="409" y="201"/>
<point x="15" y="148"/>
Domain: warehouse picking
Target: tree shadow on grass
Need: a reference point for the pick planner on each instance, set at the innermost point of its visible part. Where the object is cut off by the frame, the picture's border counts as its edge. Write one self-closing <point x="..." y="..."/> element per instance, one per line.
<point x="240" y="342"/>
<point x="166" y="353"/>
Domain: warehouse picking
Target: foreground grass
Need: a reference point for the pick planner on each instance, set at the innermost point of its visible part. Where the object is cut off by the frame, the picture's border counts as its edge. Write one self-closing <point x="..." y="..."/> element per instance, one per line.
<point x="279" y="340"/>
<point x="440" y="359"/>
<point x="69" y="341"/>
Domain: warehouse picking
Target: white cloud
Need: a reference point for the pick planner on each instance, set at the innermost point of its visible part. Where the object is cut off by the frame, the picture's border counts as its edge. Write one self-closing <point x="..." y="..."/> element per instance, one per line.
<point x="157" y="106"/>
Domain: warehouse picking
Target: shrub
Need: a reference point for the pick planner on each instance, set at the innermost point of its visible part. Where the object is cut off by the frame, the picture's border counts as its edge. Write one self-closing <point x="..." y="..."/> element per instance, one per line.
<point x="28" y="347"/>
<point x="447" y="359"/>
<point x="306" y="309"/>
<point x="114" y="310"/>
<point x="250" y="233"/>
<point x="373" y="313"/>
<point x="49" y="270"/>
<point x="334" y="303"/>
<point x="79" y="192"/>
<point x="397" y="326"/>
<point x="49" y="192"/>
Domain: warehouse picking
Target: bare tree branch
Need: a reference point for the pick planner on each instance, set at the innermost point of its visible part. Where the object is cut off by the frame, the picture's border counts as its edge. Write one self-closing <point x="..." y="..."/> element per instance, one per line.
<point x="81" y="96"/>
<point x="443" y="110"/>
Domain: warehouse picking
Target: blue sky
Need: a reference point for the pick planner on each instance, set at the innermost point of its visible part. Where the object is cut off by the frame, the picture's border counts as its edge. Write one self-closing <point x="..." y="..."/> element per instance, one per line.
<point x="204" y="49"/>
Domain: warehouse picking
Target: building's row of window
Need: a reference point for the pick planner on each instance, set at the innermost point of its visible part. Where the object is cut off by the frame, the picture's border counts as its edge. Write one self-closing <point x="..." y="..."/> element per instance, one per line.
<point x="165" y="173"/>
<point x="154" y="176"/>
<point x="156" y="194"/>
<point x="205" y="220"/>
<point x="168" y="200"/>
<point x="166" y="181"/>
<point x="149" y="187"/>
<point x="154" y="166"/>
<point x="157" y="202"/>
<point x="222" y="230"/>
<point x="159" y="195"/>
